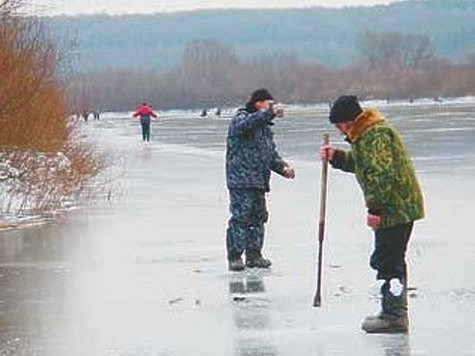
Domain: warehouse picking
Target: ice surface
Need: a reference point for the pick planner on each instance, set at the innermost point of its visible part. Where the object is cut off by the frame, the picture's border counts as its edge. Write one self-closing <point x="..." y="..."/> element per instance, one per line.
<point x="146" y="275"/>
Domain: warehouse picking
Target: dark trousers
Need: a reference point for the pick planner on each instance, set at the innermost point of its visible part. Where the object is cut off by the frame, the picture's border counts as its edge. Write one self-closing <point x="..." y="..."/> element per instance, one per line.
<point x="145" y="131"/>
<point x="388" y="257"/>
<point x="246" y="226"/>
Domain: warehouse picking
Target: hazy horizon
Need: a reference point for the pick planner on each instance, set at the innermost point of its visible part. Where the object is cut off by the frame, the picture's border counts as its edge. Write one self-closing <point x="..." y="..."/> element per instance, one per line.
<point x="118" y="7"/>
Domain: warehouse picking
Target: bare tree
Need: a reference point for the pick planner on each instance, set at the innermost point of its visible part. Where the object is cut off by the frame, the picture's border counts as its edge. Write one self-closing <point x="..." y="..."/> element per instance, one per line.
<point x="416" y="50"/>
<point x="383" y="49"/>
<point x="209" y="67"/>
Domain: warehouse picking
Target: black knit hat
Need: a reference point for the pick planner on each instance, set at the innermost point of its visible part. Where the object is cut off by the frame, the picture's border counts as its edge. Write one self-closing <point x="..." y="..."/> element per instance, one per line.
<point x="259" y="95"/>
<point x="345" y="108"/>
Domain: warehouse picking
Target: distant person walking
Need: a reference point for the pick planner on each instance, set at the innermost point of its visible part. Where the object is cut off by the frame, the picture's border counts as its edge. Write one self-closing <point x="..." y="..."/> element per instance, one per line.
<point x="145" y="113"/>
<point x="383" y="168"/>
<point x="251" y="155"/>
<point x="85" y="115"/>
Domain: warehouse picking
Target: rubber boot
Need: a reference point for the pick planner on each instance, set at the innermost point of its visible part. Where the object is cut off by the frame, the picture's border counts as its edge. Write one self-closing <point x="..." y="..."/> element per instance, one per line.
<point x="393" y="317"/>
<point x="235" y="264"/>
<point x="254" y="259"/>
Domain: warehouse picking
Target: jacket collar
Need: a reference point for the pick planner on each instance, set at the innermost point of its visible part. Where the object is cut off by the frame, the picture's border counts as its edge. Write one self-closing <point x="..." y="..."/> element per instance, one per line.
<point x="365" y="120"/>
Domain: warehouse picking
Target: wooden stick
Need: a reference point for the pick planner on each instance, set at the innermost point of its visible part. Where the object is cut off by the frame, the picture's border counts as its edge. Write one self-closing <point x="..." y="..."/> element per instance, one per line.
<point x="317" y="301"/>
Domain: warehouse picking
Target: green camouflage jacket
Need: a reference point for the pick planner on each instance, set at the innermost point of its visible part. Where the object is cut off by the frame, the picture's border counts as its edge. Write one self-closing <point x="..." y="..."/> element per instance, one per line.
<point x="384" y="170"/>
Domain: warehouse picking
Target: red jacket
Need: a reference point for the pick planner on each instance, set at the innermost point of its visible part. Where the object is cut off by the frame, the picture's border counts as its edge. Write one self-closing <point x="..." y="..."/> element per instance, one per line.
<point x="144" y="110"/>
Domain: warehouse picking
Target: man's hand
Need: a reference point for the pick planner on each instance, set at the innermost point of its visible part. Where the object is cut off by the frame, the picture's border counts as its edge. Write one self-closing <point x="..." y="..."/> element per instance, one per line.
<point x="268" y="105"/>
<point x="326" y="153"/>
<point x="373" y="221"/>
<point x="289" y="172"/>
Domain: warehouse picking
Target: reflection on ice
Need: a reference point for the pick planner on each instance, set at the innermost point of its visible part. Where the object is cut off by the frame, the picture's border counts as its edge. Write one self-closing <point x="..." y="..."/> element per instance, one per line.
<point x="395" y="345"/>
<point x="252" y="311"/>
<point x="251" y="306"/>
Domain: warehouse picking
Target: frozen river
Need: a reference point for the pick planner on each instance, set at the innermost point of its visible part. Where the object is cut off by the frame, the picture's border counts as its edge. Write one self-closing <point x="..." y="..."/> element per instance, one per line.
<point x="145" y="274"/>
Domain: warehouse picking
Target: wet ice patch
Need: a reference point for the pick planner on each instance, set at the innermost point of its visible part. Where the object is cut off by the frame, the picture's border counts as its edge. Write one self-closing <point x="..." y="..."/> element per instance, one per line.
<point x="463" y="294"/>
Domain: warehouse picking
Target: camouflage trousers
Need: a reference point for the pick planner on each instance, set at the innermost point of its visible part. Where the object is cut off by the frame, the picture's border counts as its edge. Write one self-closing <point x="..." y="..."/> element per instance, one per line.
<point x="246" y="226"/>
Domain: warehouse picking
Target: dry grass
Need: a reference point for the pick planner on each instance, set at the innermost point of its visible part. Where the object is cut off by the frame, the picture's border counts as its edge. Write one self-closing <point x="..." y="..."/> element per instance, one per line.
<point x="42" y="167"/>
<point x="32" y="111"/>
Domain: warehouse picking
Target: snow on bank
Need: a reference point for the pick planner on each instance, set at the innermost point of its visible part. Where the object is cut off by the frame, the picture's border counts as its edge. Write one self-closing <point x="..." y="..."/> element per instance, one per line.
<point x="29" y="186"/>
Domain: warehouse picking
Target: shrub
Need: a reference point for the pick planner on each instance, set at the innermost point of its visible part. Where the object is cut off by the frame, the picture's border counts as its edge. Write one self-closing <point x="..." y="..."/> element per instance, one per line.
<point x="43" y="166"/>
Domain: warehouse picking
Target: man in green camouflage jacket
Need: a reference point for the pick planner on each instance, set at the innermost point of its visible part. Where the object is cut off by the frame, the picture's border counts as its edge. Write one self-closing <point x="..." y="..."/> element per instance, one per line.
<point x="384" y="170"/>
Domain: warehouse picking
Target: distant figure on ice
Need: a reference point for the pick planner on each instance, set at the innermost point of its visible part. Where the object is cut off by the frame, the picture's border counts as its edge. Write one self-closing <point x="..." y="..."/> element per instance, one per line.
<point x="96" y="114"/>
<point x="204" y="113"/>
<point x="251" y="155"/>
<point x="383" y="168"/>
<point x="218" y="112"/>
<point x="145" y="113"/>
<point x="85" y="115"/>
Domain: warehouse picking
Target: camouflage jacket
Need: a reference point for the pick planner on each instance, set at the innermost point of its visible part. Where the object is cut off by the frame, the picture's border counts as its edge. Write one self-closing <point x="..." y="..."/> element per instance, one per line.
<point x="383" y="169"/>
<point x="251" y="153"/>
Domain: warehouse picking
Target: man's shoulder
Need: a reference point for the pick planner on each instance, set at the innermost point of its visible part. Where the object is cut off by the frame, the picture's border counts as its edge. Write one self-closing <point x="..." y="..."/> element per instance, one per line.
<point x="240" y="114"/>
<point x="381" y="134"/>
<point x="241" y="111"/>
<point x="382" y="127"/>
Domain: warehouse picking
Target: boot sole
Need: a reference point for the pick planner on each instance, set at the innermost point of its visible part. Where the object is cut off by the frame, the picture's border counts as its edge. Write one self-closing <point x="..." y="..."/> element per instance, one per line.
<point x="392" y="330"/>
<point x="263" y="267"/>
<point x="236" y="269"/>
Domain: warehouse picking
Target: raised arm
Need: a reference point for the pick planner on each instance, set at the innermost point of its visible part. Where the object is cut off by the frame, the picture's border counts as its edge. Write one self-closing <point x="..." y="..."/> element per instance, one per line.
<point x="245" y="123"/>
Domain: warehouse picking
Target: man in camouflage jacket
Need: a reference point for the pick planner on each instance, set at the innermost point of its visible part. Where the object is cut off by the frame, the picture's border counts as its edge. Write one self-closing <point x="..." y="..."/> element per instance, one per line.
<point x="384" y="170"/>
<point x="251" y="155"/>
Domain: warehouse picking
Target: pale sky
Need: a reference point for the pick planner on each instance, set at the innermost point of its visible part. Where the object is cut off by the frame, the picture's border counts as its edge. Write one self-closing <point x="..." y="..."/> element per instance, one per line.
<point x="73" y="7"/>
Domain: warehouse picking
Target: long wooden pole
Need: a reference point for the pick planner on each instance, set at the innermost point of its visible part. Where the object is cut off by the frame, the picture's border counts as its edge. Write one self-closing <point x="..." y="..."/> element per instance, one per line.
<point x="317" y="300"/>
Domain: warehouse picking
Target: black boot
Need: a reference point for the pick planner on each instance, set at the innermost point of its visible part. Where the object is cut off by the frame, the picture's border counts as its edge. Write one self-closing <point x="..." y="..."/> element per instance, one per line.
<point x="235" y="264"/>
<point x="254" y="259"/>
<point x="393" y="317"/>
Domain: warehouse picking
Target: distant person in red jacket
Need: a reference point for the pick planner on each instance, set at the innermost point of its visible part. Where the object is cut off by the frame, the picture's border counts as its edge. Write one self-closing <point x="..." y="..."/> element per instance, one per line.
<point x="145" y="113"/>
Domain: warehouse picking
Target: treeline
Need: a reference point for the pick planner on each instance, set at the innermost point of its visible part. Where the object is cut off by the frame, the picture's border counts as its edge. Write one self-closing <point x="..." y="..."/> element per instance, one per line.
<point x="210" y="74"/>
<point x="42" y="165"/>
<point x="326" y="35"/>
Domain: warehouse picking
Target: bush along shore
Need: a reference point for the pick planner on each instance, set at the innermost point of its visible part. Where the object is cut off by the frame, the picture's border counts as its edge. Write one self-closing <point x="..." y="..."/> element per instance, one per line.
<point x="44" y="166"/>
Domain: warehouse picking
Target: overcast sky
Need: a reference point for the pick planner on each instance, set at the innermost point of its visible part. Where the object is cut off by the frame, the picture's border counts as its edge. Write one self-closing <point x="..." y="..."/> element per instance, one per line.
<point x="72" y="7"/>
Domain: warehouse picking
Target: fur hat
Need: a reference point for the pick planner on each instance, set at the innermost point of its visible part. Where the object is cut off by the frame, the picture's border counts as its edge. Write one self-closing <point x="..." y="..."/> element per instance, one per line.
<point x="345" y="108"/>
